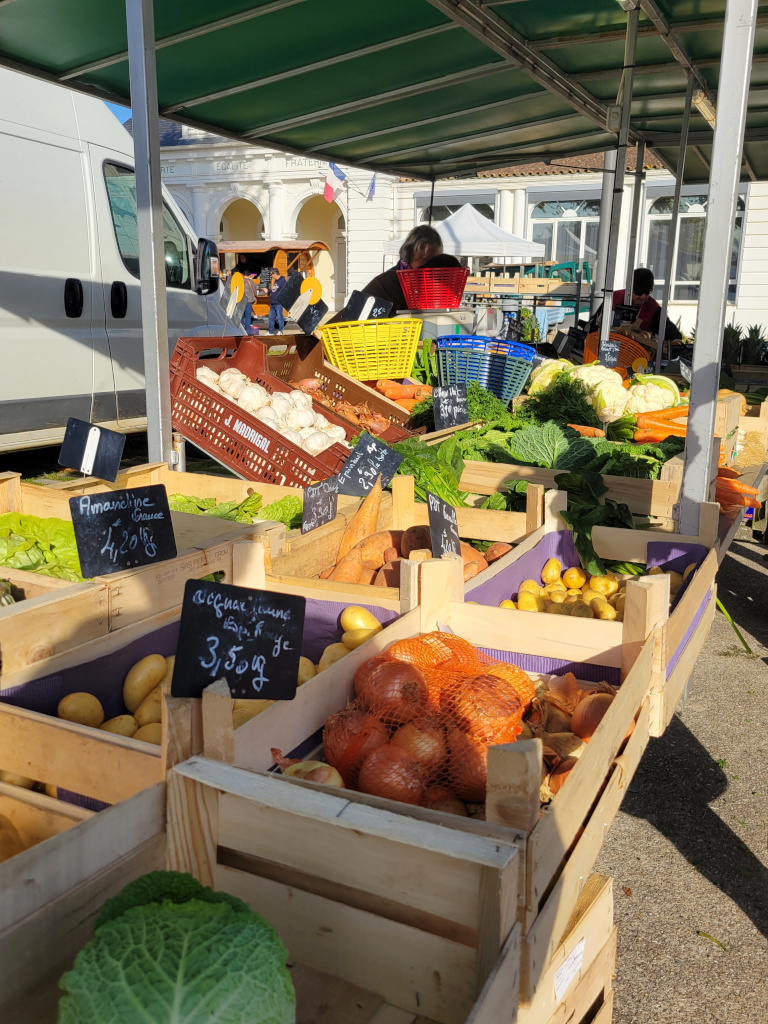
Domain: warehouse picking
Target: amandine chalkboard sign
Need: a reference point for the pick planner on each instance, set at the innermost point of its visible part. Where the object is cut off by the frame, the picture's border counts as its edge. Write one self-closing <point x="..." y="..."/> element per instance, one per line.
<point x="92" y="450"/>
<point x="443" y="527"/>
<point x="449" y="406"/>
<point x="320" y="504"/>
<point x="251" y="638"/>
<point x="119" y="530"/>
<point x="369" y="459"/>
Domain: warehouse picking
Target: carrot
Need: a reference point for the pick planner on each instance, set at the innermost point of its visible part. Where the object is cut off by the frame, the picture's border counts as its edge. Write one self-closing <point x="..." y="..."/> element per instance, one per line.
<point x="741" y="500"/>
<point x="736" y="486"/>
<point x="348" y="569"/>
<point x="382" y="385"/>
<point x="362" y="524"/>
<point x="423" y="391"/>
<point x="662" y="415"/>
<point x="401" y="391"/>
<point x="727" y="472"/>
<point x="587" y="431"/>
<point x="657" y="432"/>
<point x="407" y="403"/>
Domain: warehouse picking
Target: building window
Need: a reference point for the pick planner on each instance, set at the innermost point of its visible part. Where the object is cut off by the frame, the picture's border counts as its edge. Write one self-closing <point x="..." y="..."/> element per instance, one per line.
<point x="441" y="212"/>
<point x="690" y="245"/>
<point x="567" y="230"/>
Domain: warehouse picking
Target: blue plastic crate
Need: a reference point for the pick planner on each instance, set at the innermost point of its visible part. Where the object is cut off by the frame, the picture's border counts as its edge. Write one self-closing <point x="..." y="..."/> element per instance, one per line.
<point x="501" y="367"/>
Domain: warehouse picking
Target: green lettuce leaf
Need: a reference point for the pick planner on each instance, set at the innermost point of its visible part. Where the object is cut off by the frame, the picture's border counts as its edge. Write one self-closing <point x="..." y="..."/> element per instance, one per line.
<point x="551" y="447"/>
<point x="45" y="546"/>
<point x="288" y="510"/>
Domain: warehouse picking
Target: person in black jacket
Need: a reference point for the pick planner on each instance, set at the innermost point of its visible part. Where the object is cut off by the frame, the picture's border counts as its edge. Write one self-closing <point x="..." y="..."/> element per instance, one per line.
<point x="422" y="244"/>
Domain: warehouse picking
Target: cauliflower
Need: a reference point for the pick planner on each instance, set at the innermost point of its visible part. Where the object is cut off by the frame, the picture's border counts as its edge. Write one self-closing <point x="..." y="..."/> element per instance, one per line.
<point x="609" y="397"/>
<point x="545" y="373"/>
<point x="648" y="398"/>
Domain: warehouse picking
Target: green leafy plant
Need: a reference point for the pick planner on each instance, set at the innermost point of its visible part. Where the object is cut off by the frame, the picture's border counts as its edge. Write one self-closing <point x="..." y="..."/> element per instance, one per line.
<point x="585" y="511"/>
<point x="752" y="345"/>
<point x="168" y="950"/>
<point x="566" y="400"/>
<point x="425" y="366"/>
<point x="45" y="546"/>
<point x="288" y="510"/>
<point x="550" y="447"/>
<point x="732" y="335"/>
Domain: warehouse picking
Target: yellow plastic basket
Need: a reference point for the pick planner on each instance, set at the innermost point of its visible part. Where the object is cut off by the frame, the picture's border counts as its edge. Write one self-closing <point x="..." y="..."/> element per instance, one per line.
<point x="372" y="349"/>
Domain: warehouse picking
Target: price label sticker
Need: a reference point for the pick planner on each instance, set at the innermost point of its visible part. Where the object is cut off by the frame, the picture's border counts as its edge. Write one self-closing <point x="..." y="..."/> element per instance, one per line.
<point x="369" y="459"/>
<point x="320" y="504"/>
<point x="443" y="527"/>
<point x="120" y="530"/>
<point x="250" y="638"/>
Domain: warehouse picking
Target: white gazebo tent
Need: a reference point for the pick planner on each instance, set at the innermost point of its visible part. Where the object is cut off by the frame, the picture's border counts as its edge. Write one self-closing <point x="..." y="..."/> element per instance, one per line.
<point x="468" y="233"/>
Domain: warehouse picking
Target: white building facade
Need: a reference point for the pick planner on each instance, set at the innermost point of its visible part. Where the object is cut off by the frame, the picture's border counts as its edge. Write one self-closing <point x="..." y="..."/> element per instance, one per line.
<point x="235" y="192"/>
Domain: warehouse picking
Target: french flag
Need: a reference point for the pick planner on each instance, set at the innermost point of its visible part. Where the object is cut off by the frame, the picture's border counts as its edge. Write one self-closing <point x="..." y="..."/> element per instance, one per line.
<point x="333" y="182"/>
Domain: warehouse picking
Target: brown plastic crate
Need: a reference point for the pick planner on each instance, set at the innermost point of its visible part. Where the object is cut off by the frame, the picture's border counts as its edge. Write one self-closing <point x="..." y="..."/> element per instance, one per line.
<point x="304" y="358"/>
<point x="234" y="437"/>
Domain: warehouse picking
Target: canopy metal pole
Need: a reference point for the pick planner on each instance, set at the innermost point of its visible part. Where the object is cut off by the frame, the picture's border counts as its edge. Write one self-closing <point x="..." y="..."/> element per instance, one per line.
<point x="149" y="202"/>
<point x="732" y="96"/>
<point x="431" y="201"/>
<point x="604" y="227"/>
<point x="625" y="100"/>
<point x="637" y="195"/>
<point x="672" y="243"/>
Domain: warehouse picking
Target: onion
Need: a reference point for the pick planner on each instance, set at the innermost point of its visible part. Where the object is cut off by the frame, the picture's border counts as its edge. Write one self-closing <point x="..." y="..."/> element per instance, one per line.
<point x="392" y="773"/>
<point x="365" y="670"/>
<point x="349" y="737"/>
<point x="412" y="651"/>
<point x="490" y="709"/>
<point x="396" y="691"/>
<point x="425" y="741"/>
<point x="560" y="774"/>
<point x="316" y="771"/>
<point x="468" y="765"/>
<point x="441" y="798"/>
<point x="589" y="714"/>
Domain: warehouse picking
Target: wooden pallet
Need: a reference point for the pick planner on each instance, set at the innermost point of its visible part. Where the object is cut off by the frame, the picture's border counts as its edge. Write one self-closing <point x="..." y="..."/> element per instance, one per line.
<point x="555" y="855"/>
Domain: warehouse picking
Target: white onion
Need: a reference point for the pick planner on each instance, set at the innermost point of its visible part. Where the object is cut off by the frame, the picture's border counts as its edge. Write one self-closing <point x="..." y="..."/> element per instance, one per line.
<point x="301" y="400"/>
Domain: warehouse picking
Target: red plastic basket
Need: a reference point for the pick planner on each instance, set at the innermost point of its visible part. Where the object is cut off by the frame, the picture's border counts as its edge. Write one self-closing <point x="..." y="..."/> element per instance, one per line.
<point x="434" y="288"/>
<point x="235" y="438"/>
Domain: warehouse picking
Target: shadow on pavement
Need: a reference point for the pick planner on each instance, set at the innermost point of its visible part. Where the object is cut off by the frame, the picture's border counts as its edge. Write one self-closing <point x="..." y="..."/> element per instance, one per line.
<point x="674" y="785"/>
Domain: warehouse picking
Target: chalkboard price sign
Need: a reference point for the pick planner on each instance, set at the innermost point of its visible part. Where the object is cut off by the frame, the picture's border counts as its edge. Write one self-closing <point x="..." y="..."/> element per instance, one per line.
<point x="361" y="306"/>
<point x="608" y="351"/>
<point x="251" y="638"/>
<point x="623" y="315"/>
<point x="93" y="450"/>
<point x="320" y="503"/>
<point x="449" y="406"/>
<point x="443" y="527"/>
<point x="369" y="459"/>
<point x="119" y="530"/>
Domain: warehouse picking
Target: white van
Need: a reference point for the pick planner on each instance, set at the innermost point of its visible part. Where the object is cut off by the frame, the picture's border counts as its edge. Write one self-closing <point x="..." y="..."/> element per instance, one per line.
<point x="70" y="310"/>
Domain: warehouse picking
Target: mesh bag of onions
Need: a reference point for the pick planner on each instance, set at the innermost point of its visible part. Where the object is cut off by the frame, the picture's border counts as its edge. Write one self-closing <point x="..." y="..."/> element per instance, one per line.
<point x="424" y="714"/>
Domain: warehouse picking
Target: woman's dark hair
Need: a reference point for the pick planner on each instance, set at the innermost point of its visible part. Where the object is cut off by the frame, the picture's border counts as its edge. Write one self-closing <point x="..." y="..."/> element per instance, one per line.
<point x="420" y="240"/>
<point x="642" y="281"/>
<point x="443" y="260"/>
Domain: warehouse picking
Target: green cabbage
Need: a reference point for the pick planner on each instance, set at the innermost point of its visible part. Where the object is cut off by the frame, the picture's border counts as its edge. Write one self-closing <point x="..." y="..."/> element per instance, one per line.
<point x="45" y="546"/>
<point x="170" y="951"/>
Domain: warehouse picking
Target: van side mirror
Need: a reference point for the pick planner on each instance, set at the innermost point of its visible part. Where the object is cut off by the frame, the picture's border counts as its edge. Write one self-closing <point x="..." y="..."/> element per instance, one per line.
<point x="206" y="267"/>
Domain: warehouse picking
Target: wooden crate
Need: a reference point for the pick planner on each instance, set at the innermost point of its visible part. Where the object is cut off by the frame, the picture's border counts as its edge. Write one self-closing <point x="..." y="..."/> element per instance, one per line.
<point x="555" y="854"/>
<point x="727" y="422"/>
<point x="753" y="436"/>
<point x="419" y="916"/>
<point x="51" y="893"/>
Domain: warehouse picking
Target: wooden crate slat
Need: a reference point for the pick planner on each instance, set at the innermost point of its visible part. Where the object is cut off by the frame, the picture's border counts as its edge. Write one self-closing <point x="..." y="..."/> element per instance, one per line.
<point x="681" y="618"/>
<point x="36" y="816"/>
<point x="498" y="1000"/>
<point x="676" y="681"/>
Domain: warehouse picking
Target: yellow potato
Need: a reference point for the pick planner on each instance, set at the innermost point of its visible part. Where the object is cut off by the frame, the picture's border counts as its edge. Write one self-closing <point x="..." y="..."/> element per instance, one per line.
<point x="557" y="596"/>
<point x="507" y="604"/>
<point x="142" y="679"/>
<point x="588" y="596"/>
<point x="151" y="708"/>
<point x="355" y="617"/>
<point x="582" y="611"/>
<point x="12" y="779"/>
<point x="688" y="570"/>
<point x="656" y="571"/>
<point x="552" y="587"/>
<point x="357" y="637"/>
<point x="618" y="604"/>
<point x="558" y="609"/>
<point x="620" y="615"/>
<point x="573" y="592"/>
<point x="574" y="577"/>
<point x="573" y="599"/>
<point x="152" y="733"/>
<point x="551" y="571"/>
<point x="528" y="602"/>
<point x="605" y="585"/>
<point x="170" y="664"/>
<point x="123" y="725"/>
<point x="332" y="654"/>
<point x="675" y="581"/>
<point x="529" y="587"/>
<point x="602" y="610"/>
<point x="306" y="670"/>
<point x="83" y="708"/>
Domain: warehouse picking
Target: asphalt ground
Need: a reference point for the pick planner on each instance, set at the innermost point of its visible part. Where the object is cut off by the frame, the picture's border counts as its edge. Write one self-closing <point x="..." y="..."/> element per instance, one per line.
<point x="688" y="849"/>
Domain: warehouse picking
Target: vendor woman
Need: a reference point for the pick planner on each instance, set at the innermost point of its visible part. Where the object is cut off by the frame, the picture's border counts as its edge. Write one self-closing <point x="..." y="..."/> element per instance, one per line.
<point x="422" y="244"/>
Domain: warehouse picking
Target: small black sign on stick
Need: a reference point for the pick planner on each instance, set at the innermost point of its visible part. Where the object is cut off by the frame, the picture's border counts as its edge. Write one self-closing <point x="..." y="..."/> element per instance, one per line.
<point x="311" y="317"/>
<point x="623" y="315"/>
<point x="449" y="406"/>
<point x="119" y="530"/>
<point x="443" y="527"/>
<point x="251" y="638"/>
<point x="362" y="306"/>
<point x="369" y="459"/>
<point x="320" y="504"/>
<point x="608" y="351"/>
<point x="92" y="450"/>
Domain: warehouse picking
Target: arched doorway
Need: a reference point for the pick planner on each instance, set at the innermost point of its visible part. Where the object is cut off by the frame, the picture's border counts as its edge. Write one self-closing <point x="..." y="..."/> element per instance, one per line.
<point x="241" y="221"/>
<point x="321" y="221"/>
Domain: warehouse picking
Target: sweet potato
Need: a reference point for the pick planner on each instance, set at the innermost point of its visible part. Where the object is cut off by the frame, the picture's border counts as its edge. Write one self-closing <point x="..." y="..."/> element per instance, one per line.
<point x="471" y="556"/>
<point x="327" y="572"/>
<point x="363" y="523"/>
<point x="348" y="570"/>
<point x="372" y="548"/>
<point x="497" y="551"/>
<point x="470" y="569"/>
<point x="390" y="555"/>
<point x="389" y="575"/>
<point x="413" y="538"/>
<point x="368" y="574"/>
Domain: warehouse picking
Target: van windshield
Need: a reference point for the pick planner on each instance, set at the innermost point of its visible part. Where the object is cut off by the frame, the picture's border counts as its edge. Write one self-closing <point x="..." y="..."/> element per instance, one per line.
<point x="121" y="190"/>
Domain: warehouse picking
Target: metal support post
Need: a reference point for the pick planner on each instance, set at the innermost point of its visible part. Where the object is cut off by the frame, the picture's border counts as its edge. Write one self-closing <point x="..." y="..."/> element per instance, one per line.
<point x="624" y="99"/>
<point x="672" y="243"/>
<point x="637" y="195"/>
<point x="149" y="203"/>
<point x="431" y="201"/>
<point x="732" y="94"/>
<point x="604" y="227"/>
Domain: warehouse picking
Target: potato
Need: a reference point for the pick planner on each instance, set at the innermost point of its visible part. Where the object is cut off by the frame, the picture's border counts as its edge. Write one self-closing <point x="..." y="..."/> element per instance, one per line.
<point x="550" y="588"/>
<point x="558" y="609"/>
<point x="573" y="599"/>
<point x="245" y="710"/>
<point x="151" y="708"/>
<point x="688" y="570"/>
<point x="551" y="571"/>
<point x="170" y="663"/>
<point x="675" y="581"/>
<point x="51" y="790"/>
<point x="588" y="596"/>
<point x="152" y="733"/>
<point x="529" y="602"/>
<point x="12" y="779"/>
<point x="142" y="679"/>
<point x="332" y="654"/>
<point x="574" y="577"/>
<point x="355" y="617"/>
<point x="656" y="570"/>
<point x="357" y="637"/>
<point x="558" y="596"/>
<point x="581" y="611"/>
<point x="123" y="725"/>
<point x="602" y="610"/>
<point x="530" y="587"/>
<point x="573" y="592"/>
<point x="504" y="604"/>
<point x="306" y="671"/>
<point x="83" y="708"/>
<point x="605" y="585"/>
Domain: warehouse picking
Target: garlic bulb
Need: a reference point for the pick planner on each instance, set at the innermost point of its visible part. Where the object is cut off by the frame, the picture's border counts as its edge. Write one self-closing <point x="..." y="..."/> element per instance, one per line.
<point x="317" y="443"/>
<point x="299" y="419"/>
<point x="206" y="373"/>
<point x="321" y="422"/>
<point x="233" y="386"/>
<point x="291" y="435"/>
<point x="252" y="398"/>
<point x="268" y="415"/>
<point x="282" y="405"/>
<point x="306" y="432"/>
<point x="336" y="433"/>
<point x="301" y="400"/>
<point x="233" y="372"/>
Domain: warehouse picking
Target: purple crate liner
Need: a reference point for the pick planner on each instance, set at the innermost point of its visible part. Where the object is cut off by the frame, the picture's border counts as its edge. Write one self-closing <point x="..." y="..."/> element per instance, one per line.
<point x="556" y="667"/>
<point x="322" y="627"/>
<point x="676" y="558"/>
<point x="688" y="634"/>
<point x="558" y="544"/>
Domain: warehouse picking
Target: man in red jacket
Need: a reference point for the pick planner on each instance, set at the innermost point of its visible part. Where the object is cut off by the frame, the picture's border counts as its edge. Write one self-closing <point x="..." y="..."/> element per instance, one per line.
<point x="649" y="311"/>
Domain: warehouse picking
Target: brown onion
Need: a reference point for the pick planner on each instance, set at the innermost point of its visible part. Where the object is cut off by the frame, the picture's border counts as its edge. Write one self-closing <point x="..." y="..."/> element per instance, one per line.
<point x="365" y="670"/>
<point x="490" y="708"/>
<point x="441" y="798"/>
<point x="315" y="771"/>
<point x="395" y="690"/>
<point x="560" y="774"/>
<point x="424" y="740"/>
<point x="467" y="765"/>
<point x="349" y="737"/>
<point x="589" y="714"/>
<point x="392" y="773"/>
